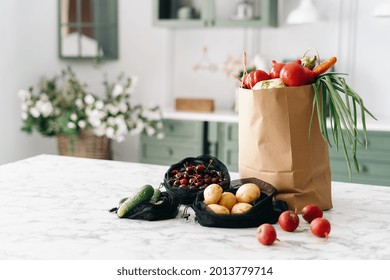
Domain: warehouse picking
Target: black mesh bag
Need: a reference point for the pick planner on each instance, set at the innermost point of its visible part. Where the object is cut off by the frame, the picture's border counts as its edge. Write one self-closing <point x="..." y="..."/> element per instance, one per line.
<point x="166" y="208"/>
<point x="188" y="194"/>
<point x="264" y="210"/>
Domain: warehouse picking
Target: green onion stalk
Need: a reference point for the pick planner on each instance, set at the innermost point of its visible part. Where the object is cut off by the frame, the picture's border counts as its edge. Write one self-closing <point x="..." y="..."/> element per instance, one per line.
<point x="336" y="100"/>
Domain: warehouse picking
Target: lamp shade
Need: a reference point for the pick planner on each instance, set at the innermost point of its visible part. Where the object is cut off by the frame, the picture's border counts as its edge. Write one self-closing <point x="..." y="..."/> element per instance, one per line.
<point x="382" y="9"/>
<point x="306" y="12"/>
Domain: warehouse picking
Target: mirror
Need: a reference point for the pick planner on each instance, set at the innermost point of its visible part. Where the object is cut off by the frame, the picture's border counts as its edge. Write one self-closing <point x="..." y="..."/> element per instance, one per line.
<point x="88" y="29"/>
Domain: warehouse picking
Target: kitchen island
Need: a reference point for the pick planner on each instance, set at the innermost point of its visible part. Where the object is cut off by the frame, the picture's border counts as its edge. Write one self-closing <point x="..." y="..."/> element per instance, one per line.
<point x="55" y="207"/>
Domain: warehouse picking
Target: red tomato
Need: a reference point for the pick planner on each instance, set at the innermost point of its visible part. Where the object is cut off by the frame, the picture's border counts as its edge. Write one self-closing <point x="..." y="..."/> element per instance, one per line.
<point x="256" y="76"/>
<point x="320" y="227"/>
<point x="275" y="70"/>
<point x="266" y="234"/>
<point x="293" y="74"/>
<point x="310" y="77"/>
<point x="288" y="220"/>
<point x="310" y="212"/>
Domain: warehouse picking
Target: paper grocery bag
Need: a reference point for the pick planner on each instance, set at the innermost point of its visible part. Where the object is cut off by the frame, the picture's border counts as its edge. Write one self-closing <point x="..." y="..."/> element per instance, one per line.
<point x="274" y="145"/>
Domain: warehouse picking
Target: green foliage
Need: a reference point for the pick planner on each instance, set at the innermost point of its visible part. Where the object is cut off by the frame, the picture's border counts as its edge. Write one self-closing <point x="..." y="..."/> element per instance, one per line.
<point x="63" y="105"/>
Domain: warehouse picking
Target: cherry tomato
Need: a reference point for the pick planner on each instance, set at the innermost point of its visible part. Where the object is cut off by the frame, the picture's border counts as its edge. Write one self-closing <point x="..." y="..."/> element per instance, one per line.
<point x="293" y="74"/>
<point x="275" y="70"/>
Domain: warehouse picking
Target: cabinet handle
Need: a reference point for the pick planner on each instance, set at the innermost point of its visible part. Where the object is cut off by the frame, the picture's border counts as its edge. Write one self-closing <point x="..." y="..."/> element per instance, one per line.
<point x="171" y="128"/>
<point x="364" y="168"/>
<point x="170" y="151"/>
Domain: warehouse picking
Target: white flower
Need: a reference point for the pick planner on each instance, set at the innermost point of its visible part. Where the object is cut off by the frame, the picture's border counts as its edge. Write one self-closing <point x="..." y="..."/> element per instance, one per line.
<point x="110" y="132"/>
<point x="24" y="116"/>
<point x="71" y="125"/>
<point x="139" y="126"/>
<point x="44" y="97"/>
<point x="73" y="117"/>
<point x="81" y="123"/>
<point x="95" y="117"/>
<point x="112" y="109"/>
<point x="34" y="112"/>
<point x="118" y="90"/>
<point x="150" y="131"/>
<point x="100" y="131"/>
<point x="89" y="99"/>
<point x="111" y="121"/>
<point x="122" y="107"/>
<point x="79" y="103"/>
<point x="44" y="107"/>
<point x="24" y="94"/>
<point x="99" y="105"/>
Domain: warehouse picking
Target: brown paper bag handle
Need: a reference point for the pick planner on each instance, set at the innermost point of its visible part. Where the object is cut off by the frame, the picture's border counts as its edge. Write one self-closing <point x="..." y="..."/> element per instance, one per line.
<point x="317" y="54"/>
<point x="245" y="72"/>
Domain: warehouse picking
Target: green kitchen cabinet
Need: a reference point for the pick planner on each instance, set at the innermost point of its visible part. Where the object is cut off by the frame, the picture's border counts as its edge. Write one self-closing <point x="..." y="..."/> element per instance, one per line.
<point x="213" y="13"/>
<point x="228" y="145"/>
<point x="182" y="139"/>
<point x="222" y="142"/>
<point x="374" y="162"/>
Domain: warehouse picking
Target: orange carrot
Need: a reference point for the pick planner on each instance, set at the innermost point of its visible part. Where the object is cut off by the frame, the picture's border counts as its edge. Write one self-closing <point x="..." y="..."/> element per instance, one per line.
<point x="324" y="66"/>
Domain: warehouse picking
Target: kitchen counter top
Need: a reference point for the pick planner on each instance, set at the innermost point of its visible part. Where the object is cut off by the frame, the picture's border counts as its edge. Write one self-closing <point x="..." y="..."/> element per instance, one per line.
<point x="381" y="124"/>
<point x="55" y="207"/>
<point x="216" y="116"/>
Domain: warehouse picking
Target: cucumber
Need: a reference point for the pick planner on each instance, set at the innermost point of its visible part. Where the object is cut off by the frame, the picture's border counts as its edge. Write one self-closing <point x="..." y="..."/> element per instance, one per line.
<point x="144" y="194"/>
<point x="121" y="201"/>
<point x="156" y="196"/>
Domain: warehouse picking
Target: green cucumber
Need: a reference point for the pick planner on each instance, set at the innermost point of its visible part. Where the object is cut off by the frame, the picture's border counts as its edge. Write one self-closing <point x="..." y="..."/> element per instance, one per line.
<point x="144" y="194"/>
<point x="156" y="196"/>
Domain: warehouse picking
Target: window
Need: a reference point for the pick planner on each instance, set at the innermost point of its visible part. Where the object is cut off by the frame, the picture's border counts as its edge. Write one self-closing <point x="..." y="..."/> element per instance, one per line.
<point x="88" y="29"/>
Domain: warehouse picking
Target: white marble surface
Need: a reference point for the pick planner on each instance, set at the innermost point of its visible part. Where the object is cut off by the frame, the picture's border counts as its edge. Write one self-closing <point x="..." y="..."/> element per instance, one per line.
<point x="381" y="124"/>
<point x="54" y="207"/>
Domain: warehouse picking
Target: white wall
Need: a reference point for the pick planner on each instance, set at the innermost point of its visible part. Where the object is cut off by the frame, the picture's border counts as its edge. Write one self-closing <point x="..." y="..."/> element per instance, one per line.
<point x="163" y="59"/>
<point x="28" y="50"/>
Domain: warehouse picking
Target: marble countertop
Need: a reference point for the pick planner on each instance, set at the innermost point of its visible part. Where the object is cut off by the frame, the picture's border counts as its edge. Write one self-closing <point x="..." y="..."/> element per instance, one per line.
<point x="216" y="116"/>
<point x="381" y="124"/>
<point x="54" y="207"/>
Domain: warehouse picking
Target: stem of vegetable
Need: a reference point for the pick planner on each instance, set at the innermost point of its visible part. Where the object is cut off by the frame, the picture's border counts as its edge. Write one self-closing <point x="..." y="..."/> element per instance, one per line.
<point x="342" y="116"/>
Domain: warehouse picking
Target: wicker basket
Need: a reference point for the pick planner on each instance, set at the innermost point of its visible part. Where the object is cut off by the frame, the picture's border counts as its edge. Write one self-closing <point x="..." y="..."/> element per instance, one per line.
<point x="86" y="144"/>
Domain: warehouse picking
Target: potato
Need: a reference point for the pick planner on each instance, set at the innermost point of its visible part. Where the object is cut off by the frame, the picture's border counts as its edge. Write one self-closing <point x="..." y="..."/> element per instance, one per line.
<point x="248" y="193"/>
<point x="228" y="200"/>
<point x="218" y="209"/>
<point x="241" y="208"/>
<point x="212" y="194"/>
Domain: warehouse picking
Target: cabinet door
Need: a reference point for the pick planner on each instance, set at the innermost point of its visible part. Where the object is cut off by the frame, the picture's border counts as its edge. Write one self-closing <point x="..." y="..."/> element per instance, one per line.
<point x="241" y="13"/>
<point x="180" y="13"/>
<point x="182" y="139"/>
<point x="228" y="145"/>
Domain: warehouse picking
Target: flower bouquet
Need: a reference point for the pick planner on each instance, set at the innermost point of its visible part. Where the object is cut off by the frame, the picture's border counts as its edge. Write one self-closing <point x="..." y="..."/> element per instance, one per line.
<point x="64" y="108"/>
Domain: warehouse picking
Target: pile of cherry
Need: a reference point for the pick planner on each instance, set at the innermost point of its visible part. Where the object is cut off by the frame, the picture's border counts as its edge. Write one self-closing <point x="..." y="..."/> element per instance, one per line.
<point x="289" y="221"/>
<point x="198" y="176"/>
